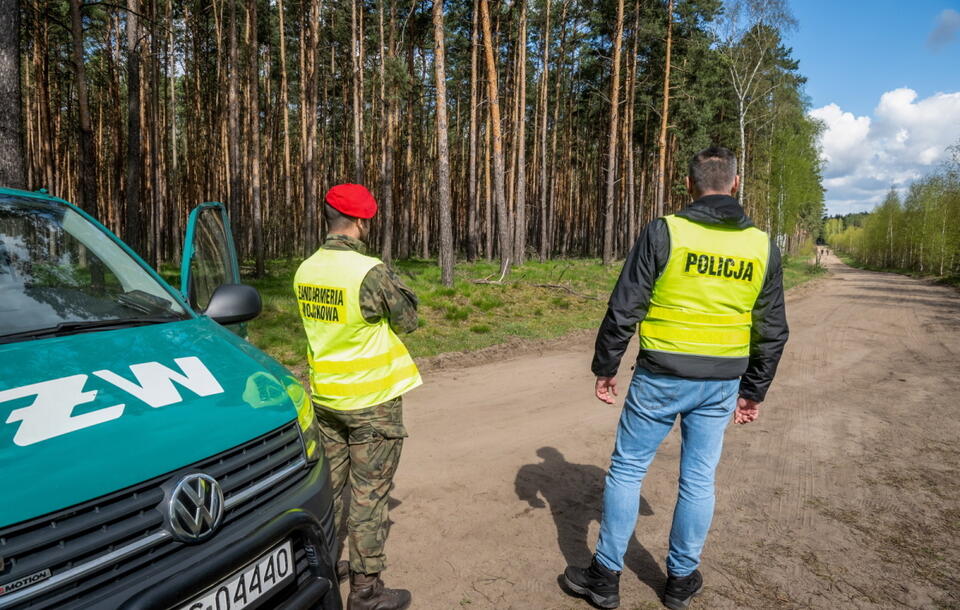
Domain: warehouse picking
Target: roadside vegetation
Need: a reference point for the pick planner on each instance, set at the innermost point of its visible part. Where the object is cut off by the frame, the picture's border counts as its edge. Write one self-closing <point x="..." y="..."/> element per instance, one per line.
<point x="536" y="301"/>
<point x="800" y="269"/>
<point x="945" y="280"/>
<point x="918" y="234"/>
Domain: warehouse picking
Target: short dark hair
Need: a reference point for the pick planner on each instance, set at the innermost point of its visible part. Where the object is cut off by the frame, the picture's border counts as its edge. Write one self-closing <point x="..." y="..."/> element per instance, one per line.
<point x="336" y="219"/>
<point x="713" y="169"/>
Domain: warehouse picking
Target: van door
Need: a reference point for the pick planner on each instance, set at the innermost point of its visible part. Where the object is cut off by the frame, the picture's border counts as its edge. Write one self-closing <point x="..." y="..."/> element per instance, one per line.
<point x="209" y="257"/>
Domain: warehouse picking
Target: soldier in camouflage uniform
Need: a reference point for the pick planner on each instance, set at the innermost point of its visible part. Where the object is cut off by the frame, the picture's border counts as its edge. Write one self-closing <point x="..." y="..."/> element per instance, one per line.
<point x="362" y="444"/>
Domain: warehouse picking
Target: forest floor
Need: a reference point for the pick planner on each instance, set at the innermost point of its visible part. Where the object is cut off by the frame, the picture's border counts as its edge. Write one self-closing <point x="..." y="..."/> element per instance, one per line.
<point x="842" y="495"/>
<point x="535" y="302"/>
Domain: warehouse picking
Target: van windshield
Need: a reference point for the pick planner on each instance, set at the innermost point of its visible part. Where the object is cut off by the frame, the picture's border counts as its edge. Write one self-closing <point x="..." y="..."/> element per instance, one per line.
<point x="60" y="273"/>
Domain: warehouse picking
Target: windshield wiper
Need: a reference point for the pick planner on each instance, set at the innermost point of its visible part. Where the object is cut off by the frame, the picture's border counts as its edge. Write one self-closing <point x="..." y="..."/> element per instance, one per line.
<point x="82" y="326"/>
<point x="144" y="302"/>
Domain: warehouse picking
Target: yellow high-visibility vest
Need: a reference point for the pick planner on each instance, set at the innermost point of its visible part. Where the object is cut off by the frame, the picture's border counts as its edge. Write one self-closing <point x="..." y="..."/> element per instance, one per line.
<point x="702" y="303"/>
<point x="353" y="364"/>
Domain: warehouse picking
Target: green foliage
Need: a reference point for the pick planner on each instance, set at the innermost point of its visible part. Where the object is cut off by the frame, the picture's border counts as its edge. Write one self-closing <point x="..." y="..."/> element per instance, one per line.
<point x="466" y="316"/>
<point x="799" y="269"/>
<point x="918" y="233"/>
<point x="186" y="70"/>
<point x="473" y="315"/>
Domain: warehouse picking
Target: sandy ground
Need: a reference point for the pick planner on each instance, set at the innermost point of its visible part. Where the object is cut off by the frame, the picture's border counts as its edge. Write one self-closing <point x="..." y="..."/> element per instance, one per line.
<point x="844" y="494"/>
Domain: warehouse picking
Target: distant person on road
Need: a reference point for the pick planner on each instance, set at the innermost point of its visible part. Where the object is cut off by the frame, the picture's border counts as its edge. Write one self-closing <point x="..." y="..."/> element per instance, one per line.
<point x="706" y="287"/>
<point x="353" y="307"/>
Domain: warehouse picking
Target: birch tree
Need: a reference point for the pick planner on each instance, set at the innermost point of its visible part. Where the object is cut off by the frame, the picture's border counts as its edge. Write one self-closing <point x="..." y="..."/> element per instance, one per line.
<point x="748" y="44"/>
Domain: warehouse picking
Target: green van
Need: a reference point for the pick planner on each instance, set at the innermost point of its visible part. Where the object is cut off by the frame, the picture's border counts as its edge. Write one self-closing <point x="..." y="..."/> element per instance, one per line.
<point x="150" y="457"/>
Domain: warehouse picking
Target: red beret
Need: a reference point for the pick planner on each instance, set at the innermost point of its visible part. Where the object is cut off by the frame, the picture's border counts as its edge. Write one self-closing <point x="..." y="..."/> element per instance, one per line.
<point x="353" y="200"/>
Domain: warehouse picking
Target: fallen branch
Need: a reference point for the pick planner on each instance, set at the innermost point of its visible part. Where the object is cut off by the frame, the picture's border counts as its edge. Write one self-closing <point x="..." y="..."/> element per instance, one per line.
<point x="498" y="282"/>
<point x="568" y="289"/>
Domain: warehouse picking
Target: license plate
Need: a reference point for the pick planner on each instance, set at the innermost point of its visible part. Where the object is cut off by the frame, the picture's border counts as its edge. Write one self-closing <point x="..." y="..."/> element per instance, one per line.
<point x="249" y="584"/>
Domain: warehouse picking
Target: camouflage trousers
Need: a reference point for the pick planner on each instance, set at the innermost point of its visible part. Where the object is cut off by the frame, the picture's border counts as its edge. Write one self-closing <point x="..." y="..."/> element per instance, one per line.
<point x="363" y="447"/>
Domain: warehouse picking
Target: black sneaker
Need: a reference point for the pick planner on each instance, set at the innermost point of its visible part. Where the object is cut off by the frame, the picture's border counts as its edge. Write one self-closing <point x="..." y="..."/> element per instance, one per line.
<point x="598" y="584"/>
<point x="680" y="590"/>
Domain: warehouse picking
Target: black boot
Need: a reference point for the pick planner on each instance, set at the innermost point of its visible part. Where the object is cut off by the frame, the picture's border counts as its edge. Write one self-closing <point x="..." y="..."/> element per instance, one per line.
<point x="680" y="590"/>
<point x="598" y="584"/>
<point x="368" y="593"/>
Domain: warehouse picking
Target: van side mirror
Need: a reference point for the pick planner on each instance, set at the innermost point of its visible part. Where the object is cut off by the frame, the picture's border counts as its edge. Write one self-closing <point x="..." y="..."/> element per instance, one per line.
<point x="234" y="303"/>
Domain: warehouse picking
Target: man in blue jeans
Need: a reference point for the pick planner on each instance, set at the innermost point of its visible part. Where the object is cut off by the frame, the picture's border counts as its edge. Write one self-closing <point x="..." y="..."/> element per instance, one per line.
<point x="706" y="287"/>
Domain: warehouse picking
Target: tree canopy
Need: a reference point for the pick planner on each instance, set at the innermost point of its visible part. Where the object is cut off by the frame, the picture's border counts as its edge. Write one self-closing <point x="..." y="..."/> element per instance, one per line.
<point x="139" y="111"/>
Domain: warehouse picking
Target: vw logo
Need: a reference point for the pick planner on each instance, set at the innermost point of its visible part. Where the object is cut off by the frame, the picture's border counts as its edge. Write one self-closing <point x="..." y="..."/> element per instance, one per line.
<point x="195" y="508"/>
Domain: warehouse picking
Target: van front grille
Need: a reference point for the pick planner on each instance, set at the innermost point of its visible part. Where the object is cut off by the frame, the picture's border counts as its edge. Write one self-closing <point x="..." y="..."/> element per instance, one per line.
<point x="91" y="544"/>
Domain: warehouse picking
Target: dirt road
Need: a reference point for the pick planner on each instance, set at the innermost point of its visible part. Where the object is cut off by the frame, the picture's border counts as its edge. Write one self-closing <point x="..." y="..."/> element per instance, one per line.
<point x="844" y="494"/>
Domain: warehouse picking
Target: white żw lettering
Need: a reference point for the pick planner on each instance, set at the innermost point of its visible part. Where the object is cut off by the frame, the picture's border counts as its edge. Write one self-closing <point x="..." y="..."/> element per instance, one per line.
<point x="51" y="413"/>
<point x="156" y="381"/>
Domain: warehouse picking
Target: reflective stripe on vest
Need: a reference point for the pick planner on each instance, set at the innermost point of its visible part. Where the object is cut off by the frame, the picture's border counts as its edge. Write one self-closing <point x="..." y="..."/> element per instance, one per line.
<point x="702" y="302"/>
<point x="353" y="364"/>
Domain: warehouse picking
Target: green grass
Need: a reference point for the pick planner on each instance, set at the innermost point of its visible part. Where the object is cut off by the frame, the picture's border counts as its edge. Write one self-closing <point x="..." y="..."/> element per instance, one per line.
<point x="944" y="280"/>
<point x="797" y="270"/>
<point x="849" y="260"/>
<point x="466" y="316"/>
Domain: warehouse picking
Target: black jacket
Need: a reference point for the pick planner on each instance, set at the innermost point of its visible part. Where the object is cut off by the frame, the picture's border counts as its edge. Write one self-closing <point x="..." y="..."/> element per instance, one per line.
<point x="631" y="297"/>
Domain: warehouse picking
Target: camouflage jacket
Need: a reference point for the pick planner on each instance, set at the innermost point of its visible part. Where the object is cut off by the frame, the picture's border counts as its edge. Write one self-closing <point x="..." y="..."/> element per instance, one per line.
<point x="382" y="294"/>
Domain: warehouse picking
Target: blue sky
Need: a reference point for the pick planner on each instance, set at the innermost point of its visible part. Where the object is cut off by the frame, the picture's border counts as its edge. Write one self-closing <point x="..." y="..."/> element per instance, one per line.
<point x="884" y="76"/>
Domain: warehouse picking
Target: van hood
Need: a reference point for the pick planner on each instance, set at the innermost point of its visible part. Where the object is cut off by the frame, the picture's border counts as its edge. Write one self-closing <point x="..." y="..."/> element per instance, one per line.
<point x="89" y="414"/>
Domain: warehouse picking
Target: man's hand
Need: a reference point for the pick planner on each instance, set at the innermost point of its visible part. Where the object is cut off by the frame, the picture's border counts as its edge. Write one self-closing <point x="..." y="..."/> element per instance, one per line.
<point x="746" y="412"/>
<point x="606" y="389"/>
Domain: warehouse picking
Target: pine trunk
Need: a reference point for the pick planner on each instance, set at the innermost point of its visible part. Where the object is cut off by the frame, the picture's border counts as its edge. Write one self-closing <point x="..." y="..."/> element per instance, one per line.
<point x="233" y="114"/>
<point x="308" y="116"/>
<point x="285" y="110"/>
<point x="473" y="199"/>
<point x="520" y="209"/>
<point x="544" y="104"/>
<point x="88" y="160"/>
<point x="356" y="57"/>
<point x="608" y="207"/>
<point x="662" y="182"/>
<point x="12" y="168"/>
<point x="131" y="233"/>
<point x="499" y="195"/>
<point x="254" y="149"/>
<point x="443" y="153"/>
<point x="386" y="173"/>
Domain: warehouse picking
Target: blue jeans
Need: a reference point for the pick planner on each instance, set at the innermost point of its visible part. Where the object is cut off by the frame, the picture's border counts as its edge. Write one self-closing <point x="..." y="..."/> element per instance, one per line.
<point x="652" y="405"/>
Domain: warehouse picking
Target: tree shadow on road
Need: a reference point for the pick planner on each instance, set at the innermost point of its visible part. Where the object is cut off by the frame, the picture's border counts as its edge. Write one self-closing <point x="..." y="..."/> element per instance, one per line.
<point x="574" y="493"/>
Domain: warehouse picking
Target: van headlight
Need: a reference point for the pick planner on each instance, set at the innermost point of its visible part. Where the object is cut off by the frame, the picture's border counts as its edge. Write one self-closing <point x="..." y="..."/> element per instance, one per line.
<point x="309" y="428"/>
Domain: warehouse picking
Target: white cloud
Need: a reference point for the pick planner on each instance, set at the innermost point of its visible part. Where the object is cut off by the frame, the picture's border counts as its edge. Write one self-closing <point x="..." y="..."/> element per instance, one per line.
<point x="843" y="142"/>
<point x="945" y="30"/>
<point x="864" y="156"/>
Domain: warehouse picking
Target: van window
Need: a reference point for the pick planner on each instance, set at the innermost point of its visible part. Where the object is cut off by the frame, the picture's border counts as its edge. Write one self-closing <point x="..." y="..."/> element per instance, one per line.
<point x="56" y="267"/>
<point x="211" y="264"/>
